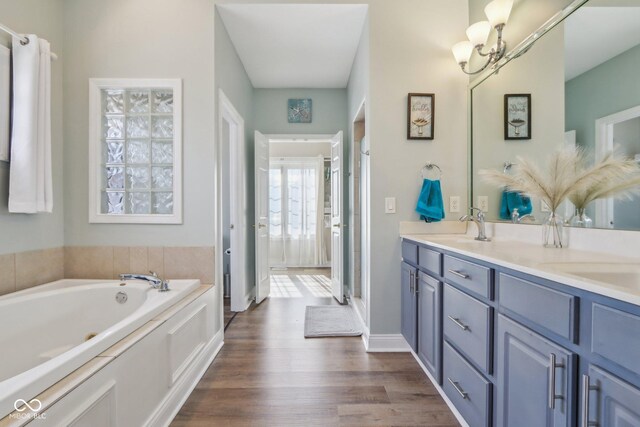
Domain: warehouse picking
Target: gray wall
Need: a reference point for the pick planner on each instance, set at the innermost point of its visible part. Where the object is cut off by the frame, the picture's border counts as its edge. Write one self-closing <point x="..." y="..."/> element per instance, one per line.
<point x="231" y="77"/>
<point x="596" y="94"/>
<point x="329" y="111"/>
<point x="22" y="232"/>
<point x="540" y="73"/>
<point x="410" y="51"/>
<point x="141" y="39"/>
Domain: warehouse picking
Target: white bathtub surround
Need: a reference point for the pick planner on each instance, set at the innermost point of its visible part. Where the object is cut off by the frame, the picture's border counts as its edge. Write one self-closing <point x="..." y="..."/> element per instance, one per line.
<point x="48" y="347"/>
<point x="23" y="270"/>
<point x="145" y="378"/>
<point x="30" y="183"/>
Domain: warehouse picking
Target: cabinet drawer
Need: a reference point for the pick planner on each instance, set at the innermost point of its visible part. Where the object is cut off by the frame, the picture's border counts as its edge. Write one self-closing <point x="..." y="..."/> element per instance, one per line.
<point x="466" y="388"/>
<point x="614" y="335"/>
<point x="468" y="325"/>
<point x="430" y="260"/>
<point x="409" y="252"/>
<point x="553" y="310"/>
<point x="474" y="277"/>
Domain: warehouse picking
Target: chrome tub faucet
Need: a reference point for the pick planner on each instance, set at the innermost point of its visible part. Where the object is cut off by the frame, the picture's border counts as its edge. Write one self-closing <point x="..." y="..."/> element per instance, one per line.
<point x="152" y="278"/>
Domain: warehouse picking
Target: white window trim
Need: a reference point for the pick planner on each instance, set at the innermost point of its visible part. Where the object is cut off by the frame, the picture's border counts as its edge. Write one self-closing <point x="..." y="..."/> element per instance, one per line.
<point x="95" y="152"/>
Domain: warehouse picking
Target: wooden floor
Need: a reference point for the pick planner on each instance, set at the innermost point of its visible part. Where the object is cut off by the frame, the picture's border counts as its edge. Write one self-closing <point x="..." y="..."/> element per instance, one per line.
<point x="268" y="374"/>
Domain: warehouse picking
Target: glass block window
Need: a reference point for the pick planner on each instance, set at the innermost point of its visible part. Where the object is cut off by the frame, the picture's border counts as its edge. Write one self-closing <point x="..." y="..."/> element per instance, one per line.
<point x="135" y="151"/>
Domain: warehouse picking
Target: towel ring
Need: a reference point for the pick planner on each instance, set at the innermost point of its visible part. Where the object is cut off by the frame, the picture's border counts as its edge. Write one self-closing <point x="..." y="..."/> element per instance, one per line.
<point x="430" y="167"/>
<point x="507" y="166"/>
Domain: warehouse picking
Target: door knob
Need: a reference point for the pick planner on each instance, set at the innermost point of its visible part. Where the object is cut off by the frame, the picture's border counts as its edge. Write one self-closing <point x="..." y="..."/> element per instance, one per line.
<point x="336" y="225"/>
<point x="261" y="225"/>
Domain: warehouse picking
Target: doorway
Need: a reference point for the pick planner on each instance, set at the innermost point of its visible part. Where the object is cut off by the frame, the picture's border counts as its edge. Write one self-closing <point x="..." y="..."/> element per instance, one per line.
<point x="299" y="228"/>
<point x="619" y="130"/>
<point x="232" y="215"/>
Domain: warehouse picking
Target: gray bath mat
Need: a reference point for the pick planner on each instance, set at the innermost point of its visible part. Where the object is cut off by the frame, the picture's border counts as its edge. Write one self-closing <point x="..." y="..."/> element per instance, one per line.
<point x="330" y="321"/>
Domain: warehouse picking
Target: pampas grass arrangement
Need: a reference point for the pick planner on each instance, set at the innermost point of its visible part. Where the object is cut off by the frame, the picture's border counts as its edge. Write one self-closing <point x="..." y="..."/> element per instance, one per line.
<point x="567" y="176"/>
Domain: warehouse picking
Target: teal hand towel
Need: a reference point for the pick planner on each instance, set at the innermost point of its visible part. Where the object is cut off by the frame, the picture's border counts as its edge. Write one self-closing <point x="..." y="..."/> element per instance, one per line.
<point x="430" y="205"/>
<point x="514" y="200"/>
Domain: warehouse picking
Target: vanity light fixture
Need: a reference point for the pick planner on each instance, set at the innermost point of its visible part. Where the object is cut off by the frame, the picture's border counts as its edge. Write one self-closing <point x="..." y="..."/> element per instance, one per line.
<point x="497" y="14"/>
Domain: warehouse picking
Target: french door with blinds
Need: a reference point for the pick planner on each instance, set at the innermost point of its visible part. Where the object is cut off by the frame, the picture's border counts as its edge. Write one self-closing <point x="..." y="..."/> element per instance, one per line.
<point x="296" y="212"/>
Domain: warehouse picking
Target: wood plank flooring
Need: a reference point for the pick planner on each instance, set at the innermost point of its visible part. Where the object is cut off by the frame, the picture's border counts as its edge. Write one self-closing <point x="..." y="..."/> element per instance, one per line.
<point x="268" y="374"/>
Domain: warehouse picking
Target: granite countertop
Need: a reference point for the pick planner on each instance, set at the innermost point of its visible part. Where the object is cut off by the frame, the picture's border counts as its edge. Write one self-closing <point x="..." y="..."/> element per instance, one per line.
<point x="547" y="263"/>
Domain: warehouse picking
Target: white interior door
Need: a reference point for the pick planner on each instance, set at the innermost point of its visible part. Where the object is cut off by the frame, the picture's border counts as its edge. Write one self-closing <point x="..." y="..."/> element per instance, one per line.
<point x="263" y="285"/>
<point x="233" y="188"/>
<point x="337" y="214"/>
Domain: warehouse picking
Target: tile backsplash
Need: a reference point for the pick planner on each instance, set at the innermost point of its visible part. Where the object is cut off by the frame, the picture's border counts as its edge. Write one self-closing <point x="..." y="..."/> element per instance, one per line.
<point x="26" y="269"/>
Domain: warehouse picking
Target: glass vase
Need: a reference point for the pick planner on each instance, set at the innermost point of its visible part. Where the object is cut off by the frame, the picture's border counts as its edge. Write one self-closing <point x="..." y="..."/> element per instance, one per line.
<point x="580" y="219"/>
<point x="553" y="232"/>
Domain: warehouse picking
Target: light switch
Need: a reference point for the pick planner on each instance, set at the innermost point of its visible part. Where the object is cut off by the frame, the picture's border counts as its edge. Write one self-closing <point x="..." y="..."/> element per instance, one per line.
<point x="390" y="205"/>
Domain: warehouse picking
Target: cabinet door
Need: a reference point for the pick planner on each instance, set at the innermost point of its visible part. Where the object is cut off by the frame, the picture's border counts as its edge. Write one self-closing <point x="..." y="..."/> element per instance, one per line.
<point x="409" y="305"/>
<point x="430" y="324"/>
<point x="531" y="390"/>
<point x="608" y="400"/>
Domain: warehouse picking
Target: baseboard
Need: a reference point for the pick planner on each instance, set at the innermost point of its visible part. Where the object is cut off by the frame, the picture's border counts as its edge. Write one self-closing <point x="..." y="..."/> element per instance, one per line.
<point x="381" y="343"/>
<point x="453" y="409"/>
<point x="365" y="329"/>
<point x="171" y="404"/>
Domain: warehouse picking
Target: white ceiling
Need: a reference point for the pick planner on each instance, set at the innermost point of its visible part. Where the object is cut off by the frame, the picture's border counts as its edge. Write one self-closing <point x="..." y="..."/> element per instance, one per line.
<point x="593" y="35"/>
<point x="295" y="45"/>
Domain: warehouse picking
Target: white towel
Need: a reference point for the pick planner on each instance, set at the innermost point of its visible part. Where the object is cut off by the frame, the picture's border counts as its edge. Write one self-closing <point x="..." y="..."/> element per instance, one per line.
<point x="30" y="177"/>
<point x="5" y="106"/>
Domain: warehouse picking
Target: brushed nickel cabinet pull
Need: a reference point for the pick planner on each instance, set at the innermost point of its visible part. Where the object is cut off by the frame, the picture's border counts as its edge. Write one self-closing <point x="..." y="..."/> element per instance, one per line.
<point x="459" y="389"/>
<point x="586" y="389"/>
<point x="459" y="274"/>
<point x="459" y="323"/>
<point x="553" y="365"/>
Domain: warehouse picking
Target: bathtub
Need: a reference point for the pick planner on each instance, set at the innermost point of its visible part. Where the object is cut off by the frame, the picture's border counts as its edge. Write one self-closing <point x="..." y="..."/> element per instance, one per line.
<point x="51" y="330"/>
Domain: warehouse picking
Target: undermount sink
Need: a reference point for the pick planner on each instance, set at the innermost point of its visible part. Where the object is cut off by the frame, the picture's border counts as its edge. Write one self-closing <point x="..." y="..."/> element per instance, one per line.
<point x="619" y="274"/>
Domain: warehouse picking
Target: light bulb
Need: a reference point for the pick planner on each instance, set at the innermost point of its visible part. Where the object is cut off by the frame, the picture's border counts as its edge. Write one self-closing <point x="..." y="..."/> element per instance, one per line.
<point x="498" y="12"/>
<point x="462" y="51"/>
<point x="478" y="33"/>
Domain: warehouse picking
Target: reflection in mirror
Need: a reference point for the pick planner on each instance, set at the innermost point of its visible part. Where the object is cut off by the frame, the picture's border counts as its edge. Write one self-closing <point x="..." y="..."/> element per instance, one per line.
<point x="583" y="78"/>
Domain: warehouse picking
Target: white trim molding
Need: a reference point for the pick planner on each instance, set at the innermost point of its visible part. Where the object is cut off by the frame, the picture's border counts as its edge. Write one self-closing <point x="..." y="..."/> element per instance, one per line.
<point x="96" y="86"/>
<point x="386" y="343"/>
<point x="444" y="396"/>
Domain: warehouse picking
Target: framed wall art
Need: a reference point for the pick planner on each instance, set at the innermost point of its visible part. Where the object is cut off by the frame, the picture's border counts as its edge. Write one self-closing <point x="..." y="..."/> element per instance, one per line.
<point x="299" y="110"/>
<point x="420" y="115"/>
<point x="517" y="116"/>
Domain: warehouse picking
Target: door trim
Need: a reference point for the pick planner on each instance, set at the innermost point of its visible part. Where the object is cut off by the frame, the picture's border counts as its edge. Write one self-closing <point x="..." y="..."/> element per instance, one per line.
<point x="238" y="239"/>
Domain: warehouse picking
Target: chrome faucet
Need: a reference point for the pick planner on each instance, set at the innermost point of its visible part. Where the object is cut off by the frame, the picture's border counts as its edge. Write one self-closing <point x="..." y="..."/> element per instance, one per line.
<point x="478" y="219"/>
<point x="153" y="279"/>
<point x="516" y="218"/>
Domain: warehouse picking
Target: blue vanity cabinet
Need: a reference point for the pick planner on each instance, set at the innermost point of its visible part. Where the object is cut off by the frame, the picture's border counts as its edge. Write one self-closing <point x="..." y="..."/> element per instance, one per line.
<point x="409" y="305"/>
<point x="430" y="324"/>
<point x="535" y="379"/>
<point x="608" y="401"/>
